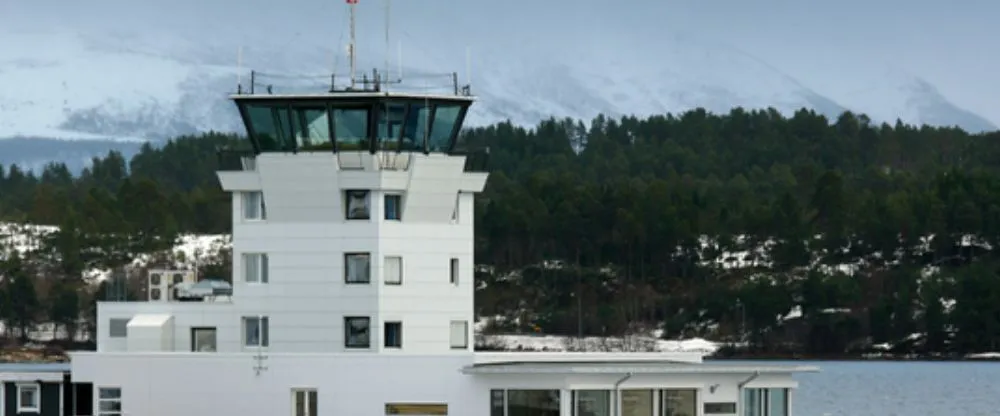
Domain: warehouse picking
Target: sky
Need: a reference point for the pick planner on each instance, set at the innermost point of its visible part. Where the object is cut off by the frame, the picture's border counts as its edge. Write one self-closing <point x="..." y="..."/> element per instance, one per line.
<point x="842" y="44"/>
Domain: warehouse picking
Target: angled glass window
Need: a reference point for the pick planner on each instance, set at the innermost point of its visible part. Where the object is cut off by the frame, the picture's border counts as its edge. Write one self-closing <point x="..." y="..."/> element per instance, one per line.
<point x="417" y="126"/>
<point x="445" y="119"/>
<point x="350" y="128"/>
<point x="390" y="125"/>
<point x="357" y="331"/>
<point x="269" y="126"/>
<point x="311" y="126"/>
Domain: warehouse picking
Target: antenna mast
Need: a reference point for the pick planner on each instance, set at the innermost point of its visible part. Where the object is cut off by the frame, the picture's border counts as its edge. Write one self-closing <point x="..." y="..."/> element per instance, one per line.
<point x="351" y="49"/>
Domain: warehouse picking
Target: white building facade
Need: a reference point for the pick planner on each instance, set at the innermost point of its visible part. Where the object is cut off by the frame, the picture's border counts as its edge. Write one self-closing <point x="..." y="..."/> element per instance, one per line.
<point x="352" y="293"/>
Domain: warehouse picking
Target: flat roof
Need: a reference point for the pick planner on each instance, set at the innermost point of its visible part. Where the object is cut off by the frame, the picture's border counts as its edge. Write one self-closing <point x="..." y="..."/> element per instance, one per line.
<point x="34" y="368"/>
<point x="624" y="367"/>
<point x="149" y="320"/>
<point x="352" y="95"/>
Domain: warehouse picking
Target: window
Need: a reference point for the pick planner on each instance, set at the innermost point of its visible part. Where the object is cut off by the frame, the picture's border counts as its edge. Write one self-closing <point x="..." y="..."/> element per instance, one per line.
<point x="118" y="327"/>
<point x="393" y="270"/>
<point x="393" y="335"/>
<point x="350" y="127"/>
<point x="393" y="203"/>
<point x="637" y="402"/>
<point x="680" y="402"/>
<point x="357" y="268"/>
<point x="203" y="340"/>
<point x="269" y="126"/>
<point x="390" y="125"/>
<point x="28" y="399"/>
<point x="417" y="127"/>
<point x="459" y="335"/>
<point x="454" y="211"/>
<point x="524" y="403"/>
<point x="312" y="128"/>
<point x="454" y="271"/>
<point x="109" y="401"/>
<point x="445" y="119"/>
<point x="255" y="267"/>
<point x="253" y="206"/>
<point x="723" y="408"/>
<point x="765" y="402"/>
<point x="357" y="205"/>
<point x="592" y="403"/>
<point x="255" y="329"/>
<point x="305" y="402"/>
<point x="357" y="332"/>
<point x="417" y="409"/>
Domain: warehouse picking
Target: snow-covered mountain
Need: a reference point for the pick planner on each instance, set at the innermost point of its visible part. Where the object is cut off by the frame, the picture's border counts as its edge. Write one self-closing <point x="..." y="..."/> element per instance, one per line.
<point x="157" y="72"/>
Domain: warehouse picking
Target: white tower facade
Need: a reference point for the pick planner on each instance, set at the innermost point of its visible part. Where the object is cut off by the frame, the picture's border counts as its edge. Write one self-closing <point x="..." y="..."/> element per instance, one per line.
<point x="355" y="251"/>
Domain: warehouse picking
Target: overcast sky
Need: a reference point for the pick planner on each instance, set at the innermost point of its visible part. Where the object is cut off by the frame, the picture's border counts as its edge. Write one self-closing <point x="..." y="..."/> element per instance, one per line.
<point x="953" y="44"/>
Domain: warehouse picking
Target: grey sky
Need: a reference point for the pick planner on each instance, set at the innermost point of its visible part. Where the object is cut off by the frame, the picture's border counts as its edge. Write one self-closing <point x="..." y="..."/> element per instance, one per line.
<point x="838" y="44"/>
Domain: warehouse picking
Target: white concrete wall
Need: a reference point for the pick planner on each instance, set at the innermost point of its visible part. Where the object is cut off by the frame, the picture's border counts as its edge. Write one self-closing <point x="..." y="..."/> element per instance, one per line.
<point x="354" y="384"/>
<point x="226" y="384"/>
<point x="305" y="236"/>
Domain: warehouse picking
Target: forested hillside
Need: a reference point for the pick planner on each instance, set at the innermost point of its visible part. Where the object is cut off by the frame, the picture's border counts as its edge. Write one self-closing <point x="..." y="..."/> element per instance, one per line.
<point x="796" y="234"/>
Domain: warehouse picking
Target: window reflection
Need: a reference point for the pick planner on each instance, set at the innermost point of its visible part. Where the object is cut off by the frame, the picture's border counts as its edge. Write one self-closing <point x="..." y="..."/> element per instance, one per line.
<point x="416" y="127"/>
<point x="637" y="403"/>
<point x="532" y="402"/>
<point x="351" y="128"/>
<point x="268" y="124"/>
<point x="445" y="118"/>
<point x="311" y="127"/>
<point x="591" y="402"/>
<point x="390" y="122"/>
<point x="679" y="402"/>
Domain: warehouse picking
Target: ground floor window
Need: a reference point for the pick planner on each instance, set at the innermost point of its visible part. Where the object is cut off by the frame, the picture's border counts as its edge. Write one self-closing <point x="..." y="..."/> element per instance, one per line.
<point x="28" y="399"/>
<point x="524" y="403"/>
<point x="679" y="402"/>
<point x="637" y="403"/>
<point x="305" y="402"/>
<point x="591" y="402"/>
<point x="765" y="402"/>
<point x="109" y="401"/>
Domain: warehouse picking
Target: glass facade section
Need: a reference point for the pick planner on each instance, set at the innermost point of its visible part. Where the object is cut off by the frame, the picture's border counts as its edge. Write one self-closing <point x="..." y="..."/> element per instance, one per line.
<point x="637" y="403"/>
<point x="445" y="118"/>
<point x="679" y="402"/>
<point x="591" y="403"/>
<point x="532" y="402"/>
<point x="390" y="125"/>
<point x="268" y="126"/>
<point x="311" y="127"/>
<point x="350" y="127"/>
<point x="417" y="127"/>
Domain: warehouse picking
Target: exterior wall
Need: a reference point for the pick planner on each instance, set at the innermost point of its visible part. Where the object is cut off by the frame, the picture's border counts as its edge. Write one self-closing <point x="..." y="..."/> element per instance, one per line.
<point x="305" y="236"/>
<point x="51" y="403"/>
<point x="347" y="384"/>
<point x="224" y="316"/>
<point x="354" y="384"/>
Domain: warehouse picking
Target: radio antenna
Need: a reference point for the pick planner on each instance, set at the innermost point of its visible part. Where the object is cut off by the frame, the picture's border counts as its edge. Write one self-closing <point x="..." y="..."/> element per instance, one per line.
<point x="351" y="53"/>
<point x="388" y="46"/>
<point x="239" y="70"/>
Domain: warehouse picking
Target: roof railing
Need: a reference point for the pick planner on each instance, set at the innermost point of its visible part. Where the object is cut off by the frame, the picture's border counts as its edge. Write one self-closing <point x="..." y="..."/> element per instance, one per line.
<point x="276" y="83"/>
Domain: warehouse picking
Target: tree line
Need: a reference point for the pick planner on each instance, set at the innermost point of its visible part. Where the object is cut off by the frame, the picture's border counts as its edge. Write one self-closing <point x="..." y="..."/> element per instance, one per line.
<point x="795" y="234"/>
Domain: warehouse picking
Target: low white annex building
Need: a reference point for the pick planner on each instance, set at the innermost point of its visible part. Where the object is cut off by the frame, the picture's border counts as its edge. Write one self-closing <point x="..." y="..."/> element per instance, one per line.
<point x="352" y="292"/>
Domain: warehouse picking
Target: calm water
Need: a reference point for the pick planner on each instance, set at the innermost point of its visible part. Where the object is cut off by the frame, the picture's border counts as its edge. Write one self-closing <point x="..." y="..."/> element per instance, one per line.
<point x="899" y="389"/>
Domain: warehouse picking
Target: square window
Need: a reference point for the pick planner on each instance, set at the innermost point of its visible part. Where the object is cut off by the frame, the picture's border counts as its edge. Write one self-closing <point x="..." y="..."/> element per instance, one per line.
<point x="255" y="267"/>
<point x="253" y="206"/>
<point x="357" y="268"/>
<point x="393" y="270"/>
<point x="203" y="340"/>
<point x="255" y="331"/>
<point x="357" y="332"/>
<point x="393" y="204"/>
<point x="27" y="398"/>
<point x="357" y="204"/>
<point x="453" y="269"/>
<point x="118" y="327"/>
<point x="305" y="402"/>
<point x="459" y="335"/>
<point x="109" y="401"/>
<point x="393" y="335"/>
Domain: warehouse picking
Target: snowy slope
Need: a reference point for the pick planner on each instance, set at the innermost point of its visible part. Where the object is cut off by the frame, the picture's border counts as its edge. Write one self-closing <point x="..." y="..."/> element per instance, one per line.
<point x="152" y="73"/>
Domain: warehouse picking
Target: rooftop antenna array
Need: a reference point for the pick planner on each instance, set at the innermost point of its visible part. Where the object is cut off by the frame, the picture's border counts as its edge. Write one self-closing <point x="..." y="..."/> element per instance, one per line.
<point x="351" y="53"/>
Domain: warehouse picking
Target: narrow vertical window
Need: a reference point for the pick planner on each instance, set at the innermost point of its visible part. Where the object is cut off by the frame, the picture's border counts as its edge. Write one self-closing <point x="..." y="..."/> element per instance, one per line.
<point x="393" y="204"/>
<point x="453" y="270"/>
<point x="393" y="269"/>
<point x="393" y="335"/>
<point x="253" y="206"/>
<point x="459" y="335"/>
